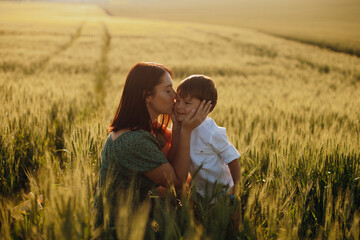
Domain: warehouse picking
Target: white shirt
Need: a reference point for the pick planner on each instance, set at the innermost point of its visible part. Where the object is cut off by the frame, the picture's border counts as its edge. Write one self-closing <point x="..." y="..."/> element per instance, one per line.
<point x="210" y="152"/>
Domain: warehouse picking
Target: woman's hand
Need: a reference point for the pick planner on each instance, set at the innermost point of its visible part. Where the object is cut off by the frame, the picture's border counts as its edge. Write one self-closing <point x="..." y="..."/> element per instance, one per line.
<point x="195" y="118"/>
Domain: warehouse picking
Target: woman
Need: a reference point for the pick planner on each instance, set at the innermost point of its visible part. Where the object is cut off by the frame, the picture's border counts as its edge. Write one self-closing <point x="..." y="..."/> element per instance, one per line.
<point x="132" y="153"/>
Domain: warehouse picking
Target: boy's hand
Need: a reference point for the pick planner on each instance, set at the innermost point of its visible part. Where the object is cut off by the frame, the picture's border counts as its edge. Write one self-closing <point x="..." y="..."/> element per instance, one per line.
<point x="195" y="118"/>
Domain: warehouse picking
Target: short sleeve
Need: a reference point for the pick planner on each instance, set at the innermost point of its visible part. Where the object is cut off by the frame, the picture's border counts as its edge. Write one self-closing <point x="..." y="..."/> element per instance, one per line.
<point x="141" y="153"/>
<point x="222" y="146"/>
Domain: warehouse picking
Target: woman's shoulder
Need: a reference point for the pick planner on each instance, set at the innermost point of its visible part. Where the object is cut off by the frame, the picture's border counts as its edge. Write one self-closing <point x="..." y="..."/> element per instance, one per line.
<point x="131" y="144"/>
<point x="140" y="134"/>
<point x="132" y="137"/>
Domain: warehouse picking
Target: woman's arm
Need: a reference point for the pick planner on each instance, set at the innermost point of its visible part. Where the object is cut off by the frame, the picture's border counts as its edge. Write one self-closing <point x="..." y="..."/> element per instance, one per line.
<point x="175" y="139"/>
<point x="234" y="167"/>
<point x="176" y="171"/>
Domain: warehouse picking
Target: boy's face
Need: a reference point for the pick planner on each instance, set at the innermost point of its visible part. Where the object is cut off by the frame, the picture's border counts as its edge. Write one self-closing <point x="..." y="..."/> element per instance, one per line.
<point x="184" y="105"/>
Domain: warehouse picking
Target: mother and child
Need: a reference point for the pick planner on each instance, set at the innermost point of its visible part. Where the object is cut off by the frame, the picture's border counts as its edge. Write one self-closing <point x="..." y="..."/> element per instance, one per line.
<point x="143" y="153"/>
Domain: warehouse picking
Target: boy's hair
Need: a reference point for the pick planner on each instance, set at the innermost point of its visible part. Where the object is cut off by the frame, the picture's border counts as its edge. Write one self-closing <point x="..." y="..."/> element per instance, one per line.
<point x="198" y="86"/>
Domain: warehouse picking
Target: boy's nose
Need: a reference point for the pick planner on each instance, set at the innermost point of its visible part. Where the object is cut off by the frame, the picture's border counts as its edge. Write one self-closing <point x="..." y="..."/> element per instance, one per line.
<point x="179" y="106"/>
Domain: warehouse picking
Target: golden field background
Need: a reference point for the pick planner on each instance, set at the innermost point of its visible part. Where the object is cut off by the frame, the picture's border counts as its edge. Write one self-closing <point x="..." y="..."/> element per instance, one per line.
<point x="332" y="24"/>
<point x="291" y="109"/>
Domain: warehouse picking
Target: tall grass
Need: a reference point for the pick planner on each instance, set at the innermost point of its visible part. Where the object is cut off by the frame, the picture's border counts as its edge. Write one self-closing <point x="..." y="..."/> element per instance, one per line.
<point x="290" y="109"/>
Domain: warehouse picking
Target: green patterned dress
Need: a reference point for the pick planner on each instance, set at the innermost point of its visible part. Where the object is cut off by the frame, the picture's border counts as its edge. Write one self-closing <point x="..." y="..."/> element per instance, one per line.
<point x="124" y="160"/>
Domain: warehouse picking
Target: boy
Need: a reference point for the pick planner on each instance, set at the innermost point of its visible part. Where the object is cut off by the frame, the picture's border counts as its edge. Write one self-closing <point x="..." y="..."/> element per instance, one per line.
<point x="214" y="160"/>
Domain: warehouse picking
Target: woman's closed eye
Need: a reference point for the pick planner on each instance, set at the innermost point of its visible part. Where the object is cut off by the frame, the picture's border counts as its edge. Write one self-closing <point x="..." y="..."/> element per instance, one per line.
<point x="169" y="90"/>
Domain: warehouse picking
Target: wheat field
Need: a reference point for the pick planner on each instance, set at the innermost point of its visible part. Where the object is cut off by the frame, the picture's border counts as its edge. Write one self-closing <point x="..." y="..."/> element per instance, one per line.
<point x="291" y="109"/>
<point x="331" y="24"/>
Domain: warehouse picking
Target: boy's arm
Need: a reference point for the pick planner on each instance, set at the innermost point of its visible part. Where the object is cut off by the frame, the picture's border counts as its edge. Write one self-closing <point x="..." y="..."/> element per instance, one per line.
<point x="234" y="167"/>
<point x="222" y="146"/>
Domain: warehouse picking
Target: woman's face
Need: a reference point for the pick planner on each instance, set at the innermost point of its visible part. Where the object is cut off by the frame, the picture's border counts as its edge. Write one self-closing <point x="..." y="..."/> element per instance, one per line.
<point x="184" y="105"/>
<point x="162" y="101"/>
